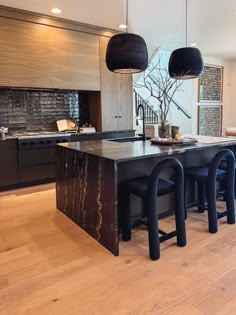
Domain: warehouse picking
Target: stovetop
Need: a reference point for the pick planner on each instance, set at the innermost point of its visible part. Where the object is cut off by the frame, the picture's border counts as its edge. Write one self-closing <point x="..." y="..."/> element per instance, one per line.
<point x="42" y="139"/>
<point x="38" y="134"/>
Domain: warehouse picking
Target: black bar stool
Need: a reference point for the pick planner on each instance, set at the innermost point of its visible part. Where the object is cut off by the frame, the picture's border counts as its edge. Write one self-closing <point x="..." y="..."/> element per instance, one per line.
<point x="207" y="178"/>
<point x="148" y="188"/>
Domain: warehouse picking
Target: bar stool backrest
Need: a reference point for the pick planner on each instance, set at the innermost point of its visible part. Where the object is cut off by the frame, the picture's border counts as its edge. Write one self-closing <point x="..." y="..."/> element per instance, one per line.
<point x="227" y="155"/>
<point x="152" y="207"/>
<point x="174" y="164"/>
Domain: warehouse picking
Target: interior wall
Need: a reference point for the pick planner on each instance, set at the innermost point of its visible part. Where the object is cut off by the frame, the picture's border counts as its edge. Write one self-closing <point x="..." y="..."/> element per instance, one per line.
<point x="230" y="112"/>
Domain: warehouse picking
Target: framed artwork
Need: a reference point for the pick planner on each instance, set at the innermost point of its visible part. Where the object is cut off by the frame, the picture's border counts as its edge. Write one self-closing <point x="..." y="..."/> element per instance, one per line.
<point x="210" y="120"/>
<point x="210" y="85"/>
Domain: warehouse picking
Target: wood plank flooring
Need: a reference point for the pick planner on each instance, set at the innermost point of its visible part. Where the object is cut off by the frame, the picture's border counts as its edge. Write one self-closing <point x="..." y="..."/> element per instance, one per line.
<point x="48" y="265"/>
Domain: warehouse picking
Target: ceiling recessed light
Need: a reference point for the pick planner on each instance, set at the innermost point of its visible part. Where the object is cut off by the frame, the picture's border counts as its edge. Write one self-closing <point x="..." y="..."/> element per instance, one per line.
<point x="56" y="10"/>
<point x="193" y="44"/>
<point x="123" y="26"/>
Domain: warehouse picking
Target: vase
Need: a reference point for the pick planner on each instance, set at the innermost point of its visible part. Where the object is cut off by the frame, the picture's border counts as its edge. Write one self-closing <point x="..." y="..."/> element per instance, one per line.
<point x="164" y="130"/>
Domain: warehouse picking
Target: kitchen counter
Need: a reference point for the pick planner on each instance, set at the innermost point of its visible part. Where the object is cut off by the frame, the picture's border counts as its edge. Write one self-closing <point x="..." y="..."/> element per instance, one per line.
<point x="89" y="173"/>
<point x="102" y="135"/>
<point x="76" y="136"/>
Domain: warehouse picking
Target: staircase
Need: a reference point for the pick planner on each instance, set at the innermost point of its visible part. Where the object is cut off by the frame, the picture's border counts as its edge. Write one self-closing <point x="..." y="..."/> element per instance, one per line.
<point x="150" y="115"/>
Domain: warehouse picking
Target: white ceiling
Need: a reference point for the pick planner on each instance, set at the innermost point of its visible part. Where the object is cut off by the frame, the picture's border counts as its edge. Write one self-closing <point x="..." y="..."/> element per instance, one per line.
<point x="211" y="23"/>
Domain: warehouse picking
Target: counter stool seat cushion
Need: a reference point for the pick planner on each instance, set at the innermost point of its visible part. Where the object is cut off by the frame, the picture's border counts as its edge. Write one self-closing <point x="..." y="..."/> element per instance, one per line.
<point x="139" y="186"/>
<point x="223" y="165"/>
<point x="201" y="173"/>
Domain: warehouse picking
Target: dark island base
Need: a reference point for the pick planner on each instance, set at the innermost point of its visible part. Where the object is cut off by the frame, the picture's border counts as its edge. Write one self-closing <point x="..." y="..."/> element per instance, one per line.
<point x="86" y="193"/>
<point x="89" y="173"/>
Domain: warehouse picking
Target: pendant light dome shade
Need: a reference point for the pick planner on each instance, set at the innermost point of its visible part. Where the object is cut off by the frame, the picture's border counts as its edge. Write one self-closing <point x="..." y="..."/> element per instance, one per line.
<point x="126" y="53"/>
<point x="186" y="63"/>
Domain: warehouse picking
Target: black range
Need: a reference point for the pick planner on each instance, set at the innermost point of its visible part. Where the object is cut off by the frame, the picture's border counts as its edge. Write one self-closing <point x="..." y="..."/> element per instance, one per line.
<point x="36" y="155"/>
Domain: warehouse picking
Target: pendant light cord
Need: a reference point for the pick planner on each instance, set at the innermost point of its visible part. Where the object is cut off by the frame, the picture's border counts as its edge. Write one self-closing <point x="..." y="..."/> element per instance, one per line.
<point x="186" y="23"/>
<point x="127" y="14"/>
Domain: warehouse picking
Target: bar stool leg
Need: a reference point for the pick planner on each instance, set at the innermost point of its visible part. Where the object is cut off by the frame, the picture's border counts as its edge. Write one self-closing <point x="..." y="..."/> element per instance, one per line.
<point x="201" y="196"/>
<point x="185" y="198"/>
<point x="229" y="195"/>
<point x="235" y="185"/>
<point x="180" y="216"/>
<point x="153" y="234"/>
<point x="126" y="217"/>
<point x="212" y="214"/>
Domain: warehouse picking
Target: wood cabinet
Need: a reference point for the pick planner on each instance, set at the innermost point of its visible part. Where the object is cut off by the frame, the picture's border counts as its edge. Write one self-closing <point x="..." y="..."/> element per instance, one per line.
<point x="41" y="56"/>
<point x="116" y="95"/>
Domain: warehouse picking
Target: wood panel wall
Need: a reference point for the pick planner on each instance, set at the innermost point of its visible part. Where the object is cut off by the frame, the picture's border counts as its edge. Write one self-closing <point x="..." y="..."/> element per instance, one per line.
<point x="38" y="51"/>
<point x="35" y="55"/>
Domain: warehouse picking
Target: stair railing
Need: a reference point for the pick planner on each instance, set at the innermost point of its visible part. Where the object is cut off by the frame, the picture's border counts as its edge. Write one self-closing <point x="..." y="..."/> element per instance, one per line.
<point x="150" y="115"/>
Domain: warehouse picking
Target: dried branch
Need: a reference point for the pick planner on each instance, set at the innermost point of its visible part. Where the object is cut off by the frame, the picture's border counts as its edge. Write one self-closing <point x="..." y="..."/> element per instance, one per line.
<point x="159" y="84"/>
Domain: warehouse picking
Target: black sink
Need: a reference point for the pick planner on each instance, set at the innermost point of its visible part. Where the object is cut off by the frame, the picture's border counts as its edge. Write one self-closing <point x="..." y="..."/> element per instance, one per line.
<point x="131" y="139"/>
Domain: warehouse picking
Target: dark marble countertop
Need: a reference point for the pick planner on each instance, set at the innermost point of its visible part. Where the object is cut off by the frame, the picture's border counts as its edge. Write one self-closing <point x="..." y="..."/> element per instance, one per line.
<point x="139" y="149"/>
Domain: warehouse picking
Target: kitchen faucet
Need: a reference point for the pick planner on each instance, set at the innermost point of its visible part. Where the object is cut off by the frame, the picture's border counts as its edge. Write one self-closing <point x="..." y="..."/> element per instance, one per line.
<point x="144" y="120"/>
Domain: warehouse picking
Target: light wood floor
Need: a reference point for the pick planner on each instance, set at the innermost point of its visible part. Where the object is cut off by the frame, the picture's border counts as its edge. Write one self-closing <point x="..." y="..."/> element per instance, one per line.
<point x="48" y="265"/>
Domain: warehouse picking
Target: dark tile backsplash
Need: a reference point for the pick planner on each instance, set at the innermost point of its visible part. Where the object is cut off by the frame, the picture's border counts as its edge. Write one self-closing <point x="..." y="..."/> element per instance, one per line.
<point x="31" y="110"/>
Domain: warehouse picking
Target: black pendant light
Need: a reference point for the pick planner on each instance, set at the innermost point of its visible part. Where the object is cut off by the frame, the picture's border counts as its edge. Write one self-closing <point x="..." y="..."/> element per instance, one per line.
<point x="126" y="52"/>
<point x="186" y="63"/>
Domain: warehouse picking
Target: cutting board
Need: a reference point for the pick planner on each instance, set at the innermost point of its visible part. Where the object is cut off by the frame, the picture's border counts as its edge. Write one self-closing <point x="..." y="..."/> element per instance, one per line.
<point x="66" y="124"/>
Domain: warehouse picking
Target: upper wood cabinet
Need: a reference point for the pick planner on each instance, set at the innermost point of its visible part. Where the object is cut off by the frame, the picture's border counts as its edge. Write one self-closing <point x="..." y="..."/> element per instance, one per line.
<point x="38" y="51"/>
<point x="42" y="56"/>
<point x="116" y="95"/>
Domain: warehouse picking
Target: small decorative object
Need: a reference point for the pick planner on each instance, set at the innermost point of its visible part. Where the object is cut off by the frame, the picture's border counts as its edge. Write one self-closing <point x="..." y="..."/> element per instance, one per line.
<point x="126" y="52"/>
<point x="211" y="84"/>
<point x="174" y="132"/>
<point x="152" y="130"/>
<point x="179" y="136"/>
<point x="160" y="86"/>
<point x="186" y="63"/>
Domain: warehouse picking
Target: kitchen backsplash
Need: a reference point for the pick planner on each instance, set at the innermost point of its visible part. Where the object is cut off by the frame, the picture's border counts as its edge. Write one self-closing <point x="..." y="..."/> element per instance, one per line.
<point x="38" y="109"/>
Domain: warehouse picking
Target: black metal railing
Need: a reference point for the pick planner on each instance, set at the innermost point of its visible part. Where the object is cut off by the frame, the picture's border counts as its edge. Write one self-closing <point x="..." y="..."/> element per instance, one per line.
<point x="150" y="115"/>
<point x="179" y="107"/>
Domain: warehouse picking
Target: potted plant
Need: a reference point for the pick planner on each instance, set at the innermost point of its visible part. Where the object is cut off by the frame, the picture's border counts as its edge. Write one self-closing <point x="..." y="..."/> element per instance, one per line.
<point x="158" y="84"/>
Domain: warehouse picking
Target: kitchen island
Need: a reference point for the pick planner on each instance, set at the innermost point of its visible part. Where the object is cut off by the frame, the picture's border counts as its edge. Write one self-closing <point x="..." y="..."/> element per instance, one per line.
<point x="89" y="173"/>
